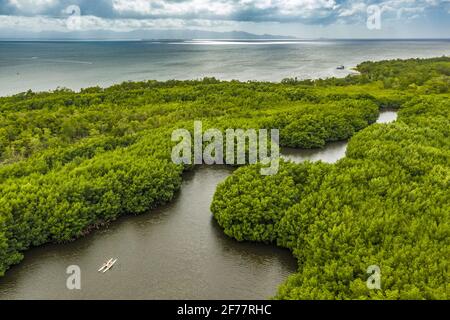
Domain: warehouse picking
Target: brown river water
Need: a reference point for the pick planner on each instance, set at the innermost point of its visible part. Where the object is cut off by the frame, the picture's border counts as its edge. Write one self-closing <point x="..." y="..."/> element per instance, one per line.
<point x="175" y="252"/>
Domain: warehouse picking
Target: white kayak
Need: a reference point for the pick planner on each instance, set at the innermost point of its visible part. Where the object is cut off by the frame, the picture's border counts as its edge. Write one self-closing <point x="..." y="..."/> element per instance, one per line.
<point x="105" y="264"/>
<point x="109" y="266"/>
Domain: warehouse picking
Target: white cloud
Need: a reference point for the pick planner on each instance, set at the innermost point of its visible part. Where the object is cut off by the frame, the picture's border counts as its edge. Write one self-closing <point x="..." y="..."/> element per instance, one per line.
<point x="166" y="8"/>
<point x="224" y="8"/>
<point x="92" y="23"/>
<point x="355" y="8"/>
<point x="32" y="6"/>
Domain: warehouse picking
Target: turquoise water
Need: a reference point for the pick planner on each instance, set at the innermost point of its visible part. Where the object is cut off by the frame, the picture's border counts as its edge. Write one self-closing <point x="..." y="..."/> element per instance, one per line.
<point x="47" y="65"/>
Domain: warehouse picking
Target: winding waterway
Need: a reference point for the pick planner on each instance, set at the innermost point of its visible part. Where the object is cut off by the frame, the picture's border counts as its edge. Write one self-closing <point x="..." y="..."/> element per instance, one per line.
<point x="333" y="151"/>
<point x="175" y="252"/>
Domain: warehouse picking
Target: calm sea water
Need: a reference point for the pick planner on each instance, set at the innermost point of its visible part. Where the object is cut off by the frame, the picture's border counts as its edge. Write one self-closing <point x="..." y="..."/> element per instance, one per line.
<point x="47" y="65"/>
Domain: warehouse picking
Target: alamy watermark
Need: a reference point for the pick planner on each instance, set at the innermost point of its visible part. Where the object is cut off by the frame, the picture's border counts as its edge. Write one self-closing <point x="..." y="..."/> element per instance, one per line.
<point x="73" y="21"/>
<point x="373" y="17"/>
<point x="73" y="281"/>
<point x="374" y="279"/>
<point x="208" y="147"/>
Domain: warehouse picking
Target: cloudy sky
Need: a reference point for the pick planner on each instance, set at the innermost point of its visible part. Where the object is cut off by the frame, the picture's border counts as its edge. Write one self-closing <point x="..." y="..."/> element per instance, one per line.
<point x="301" y="18"/>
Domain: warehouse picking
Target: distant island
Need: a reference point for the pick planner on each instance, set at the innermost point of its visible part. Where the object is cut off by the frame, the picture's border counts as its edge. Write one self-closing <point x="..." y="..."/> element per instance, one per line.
<point x="140" y="34"/>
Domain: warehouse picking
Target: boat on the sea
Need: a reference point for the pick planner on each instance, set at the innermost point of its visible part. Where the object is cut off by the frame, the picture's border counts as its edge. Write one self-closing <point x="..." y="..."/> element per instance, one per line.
<point x="341" y="67"/>
<point x="109" y="266"/>
<point x="105" y="265"/>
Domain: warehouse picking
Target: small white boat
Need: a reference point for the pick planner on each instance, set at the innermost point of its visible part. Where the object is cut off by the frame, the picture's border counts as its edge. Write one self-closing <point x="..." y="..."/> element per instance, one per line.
<point x="341" y="67"/>
<point x="105" y="264"/>
<point x="109" y="266"/>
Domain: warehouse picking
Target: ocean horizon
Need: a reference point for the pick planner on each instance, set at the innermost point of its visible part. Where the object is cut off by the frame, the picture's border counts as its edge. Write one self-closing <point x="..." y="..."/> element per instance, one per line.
<point x="42" y="65"/>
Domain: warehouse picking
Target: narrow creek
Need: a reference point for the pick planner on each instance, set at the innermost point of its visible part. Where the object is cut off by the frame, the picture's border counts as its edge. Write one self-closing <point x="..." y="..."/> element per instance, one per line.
<point x="175" y="252"/>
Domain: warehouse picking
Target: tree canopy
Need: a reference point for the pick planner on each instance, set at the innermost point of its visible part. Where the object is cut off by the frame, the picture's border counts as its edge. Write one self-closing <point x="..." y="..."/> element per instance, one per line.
<point x="71" y="161"/>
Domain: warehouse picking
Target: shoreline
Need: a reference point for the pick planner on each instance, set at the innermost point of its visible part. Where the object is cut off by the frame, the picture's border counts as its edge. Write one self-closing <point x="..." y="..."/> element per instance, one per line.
<point x="147" y="62"/>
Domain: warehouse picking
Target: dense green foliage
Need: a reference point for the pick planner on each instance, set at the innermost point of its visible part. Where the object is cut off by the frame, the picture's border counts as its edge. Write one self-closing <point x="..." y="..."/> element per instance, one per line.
<point x="70" y="161"/>
<point x="416" y="75"/>
<point x="387" y="204"/>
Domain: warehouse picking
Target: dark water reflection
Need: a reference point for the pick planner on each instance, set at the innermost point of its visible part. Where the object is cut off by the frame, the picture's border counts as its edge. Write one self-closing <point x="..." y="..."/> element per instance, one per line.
<point x="176" y="252"/>
<point x="333" y="151"/>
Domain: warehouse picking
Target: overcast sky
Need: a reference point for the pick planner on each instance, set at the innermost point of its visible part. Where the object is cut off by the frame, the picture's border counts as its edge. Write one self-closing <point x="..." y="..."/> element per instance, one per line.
<point x="301" y="18"/>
